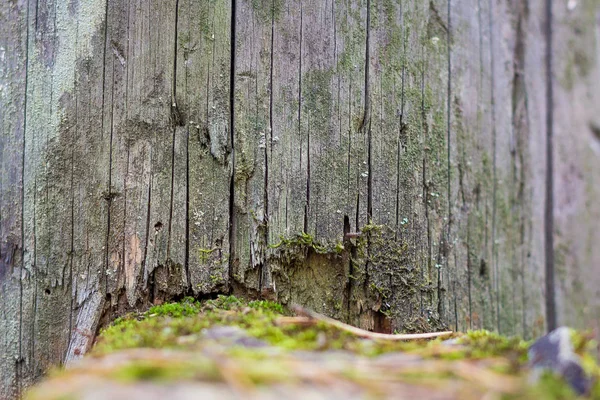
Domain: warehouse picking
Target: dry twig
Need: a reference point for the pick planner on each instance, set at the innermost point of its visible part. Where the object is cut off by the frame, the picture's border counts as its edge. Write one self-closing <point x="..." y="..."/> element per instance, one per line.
<point x="301" y="311"/>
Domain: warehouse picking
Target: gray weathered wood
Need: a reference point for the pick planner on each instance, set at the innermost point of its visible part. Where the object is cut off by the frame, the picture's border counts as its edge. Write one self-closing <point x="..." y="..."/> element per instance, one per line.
<point x="145" y="156"/>
<point x="13" y="278"/>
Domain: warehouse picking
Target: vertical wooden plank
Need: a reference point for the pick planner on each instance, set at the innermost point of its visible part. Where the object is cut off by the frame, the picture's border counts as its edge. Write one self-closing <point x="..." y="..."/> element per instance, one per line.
<point x="502" y="132"/>
<point x="516" y="235"/>
<point x="512" y="171"/>
<point x="254" y="27"/>
<point x="286" y="193"/>
<point x="470" y="111"/>
<point x="475" y="170"/>
<point x="463" y="69"/>
<point x="405" y="40"/>
<point x="164" y="258"/>
<point x="414" y="184"/>
<point x="434" y="108"/>
<point x="412" y="221"/>
<point x="204" y="41"/>
<point x="501" y="161"/>
<point x="131" y="135"/>
<point x="60" y="34"/>
<point x="89" y="174"/>
<point x="177" y="246"/>
<point x="316" y="144"/>
<point x="576" y="50"/>
<point x="535" y="84"/>
<point x="333" y="82"/>
<point x="13" y="86"/>
<point x="317" y="148"/>
<point x="118" y="62"/>
<point x="158" y="110"/>
<point x="143" y="128"/>
<point x="473" y="302"/>
<point x="44" y="190"/>
<point x="390" y="182"/>
<point x="388" y="79"/>
<point x="480" y="234"/>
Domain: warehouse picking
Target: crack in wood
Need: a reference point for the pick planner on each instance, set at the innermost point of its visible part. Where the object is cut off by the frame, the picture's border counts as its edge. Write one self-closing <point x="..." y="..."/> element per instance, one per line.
<point x="177" y="121"/>
<point x="232" y="224"/>
<point x="365" y="127"/>
<point x="305" y="229"/>
<point x="103" y="276"/>
<point x="268" y="148"/>
<point x="401" y="132"/>
<point x="447" y="240"/>
<point x="145" y="271"/>
<point x="425" y="182"/>
<point x="551" y="318"/>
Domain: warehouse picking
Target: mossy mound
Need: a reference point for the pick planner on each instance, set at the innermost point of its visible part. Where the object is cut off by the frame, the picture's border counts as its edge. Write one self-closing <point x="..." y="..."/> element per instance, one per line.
<point x="230" y="348"/>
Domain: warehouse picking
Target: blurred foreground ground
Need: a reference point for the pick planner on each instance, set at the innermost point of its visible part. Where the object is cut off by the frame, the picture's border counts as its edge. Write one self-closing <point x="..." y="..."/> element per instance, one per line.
<point x="231" y="349"/>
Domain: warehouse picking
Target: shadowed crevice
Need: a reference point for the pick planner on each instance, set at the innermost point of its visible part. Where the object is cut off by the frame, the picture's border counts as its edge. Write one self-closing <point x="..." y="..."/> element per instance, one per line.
<point x="447" y="240"/>
<point x="551" y="322"/>
<point x="176" y="121"/>
<point x="232" y="225"/>
<point x="366" y="128"/>
<point x="268" y="148"/>
<point x="401" y="134"/>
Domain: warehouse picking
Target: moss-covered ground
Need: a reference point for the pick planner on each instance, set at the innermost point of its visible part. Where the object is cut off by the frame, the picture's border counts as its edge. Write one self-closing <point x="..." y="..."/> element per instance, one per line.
<point x="230" y="348"/>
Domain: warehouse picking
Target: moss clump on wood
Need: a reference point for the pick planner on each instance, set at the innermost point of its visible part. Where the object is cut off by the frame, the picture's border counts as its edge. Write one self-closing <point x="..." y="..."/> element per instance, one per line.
<point x="163" y="326"/>
<point x="305" y="271"/>
<point x="304" y="241"/>
<point x="373" y="281"/>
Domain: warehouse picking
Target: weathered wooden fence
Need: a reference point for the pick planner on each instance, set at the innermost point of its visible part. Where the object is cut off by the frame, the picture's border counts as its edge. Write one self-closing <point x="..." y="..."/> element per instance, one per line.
<point x="155" y="148"/>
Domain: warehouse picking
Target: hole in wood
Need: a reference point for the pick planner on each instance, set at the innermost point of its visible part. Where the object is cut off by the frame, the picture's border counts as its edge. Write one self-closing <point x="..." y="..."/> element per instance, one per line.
<point x="483" y="270"/>
<point x="381" y="322"/>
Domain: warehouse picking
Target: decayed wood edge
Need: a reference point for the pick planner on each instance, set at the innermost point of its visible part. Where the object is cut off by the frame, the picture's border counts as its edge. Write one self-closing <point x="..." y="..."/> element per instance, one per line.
<point x="307" y="315"/>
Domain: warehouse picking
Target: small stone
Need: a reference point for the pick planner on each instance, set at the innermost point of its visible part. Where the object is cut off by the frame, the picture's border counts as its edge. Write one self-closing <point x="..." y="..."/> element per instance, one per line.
<point x="554" y="352"/>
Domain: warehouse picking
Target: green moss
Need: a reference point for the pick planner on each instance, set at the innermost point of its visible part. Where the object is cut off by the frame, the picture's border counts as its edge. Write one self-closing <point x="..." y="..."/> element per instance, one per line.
<point x="267" y="305"/>
<point x="163" y="327"/>
<point x="267" y="10"/>
<point x="482" y="344"/>
<point x="183" y="309"/>
<point x="304" y="241"/>
<point x="224" y="303"/>
<point x="587" y="348"/>
<point x="204" y="254"/>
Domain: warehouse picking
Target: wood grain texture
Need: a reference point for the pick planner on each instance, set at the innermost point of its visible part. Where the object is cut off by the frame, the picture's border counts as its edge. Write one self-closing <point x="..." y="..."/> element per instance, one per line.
<point x="155" y="149"/>
<point x="253" y="136"/>
<point x="204" y="50"/>
<point x="14" y="280"/>
<point x="577" y="159"/>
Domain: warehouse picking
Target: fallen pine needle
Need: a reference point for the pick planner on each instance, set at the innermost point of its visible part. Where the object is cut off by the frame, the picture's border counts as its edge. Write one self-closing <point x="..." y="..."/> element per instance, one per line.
<point x="364" y="333"/>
